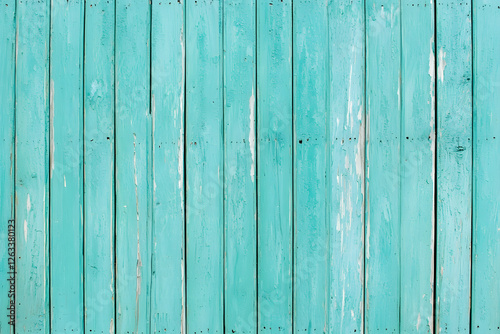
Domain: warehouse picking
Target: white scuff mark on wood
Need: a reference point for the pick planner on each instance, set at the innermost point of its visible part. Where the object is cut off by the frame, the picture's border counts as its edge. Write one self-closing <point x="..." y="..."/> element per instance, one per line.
<point x="28" y="209"/>
<point x="349" y="101"/>
<point x="251" y="134"/>
<point x="111" y="326"/>
<point x="180" y="165"/>
<point x="153" y="128"/>
<point x="442" y="64"/>
<point x="94" y="87"/>
<point x="64" y="181"/>
<point x="360" y="157"/>
<point x="51" y="121"/>
<point x="135" y="181"/>
<point x="418" y="321"/>
<point x="25" y="231"/>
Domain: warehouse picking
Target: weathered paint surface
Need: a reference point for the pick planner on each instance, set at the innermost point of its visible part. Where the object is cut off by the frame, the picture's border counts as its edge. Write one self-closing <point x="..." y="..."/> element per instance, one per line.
<point x="454" y="166"/>
<point x="345" y="178"/>
<point x="310" y="104"/>
<point x="383" y="150"/>
<point x="240" y="159"/>
<point x="274" y="165"/>
<point x="168" y="111"/>
<point x="230" y="166"/>
<point x="66" y="173"/>
<point x="32" y="166"/>
<point x="7" y="147"/>
<point x="204" y="167"/>
<point x="485" y="291"/>
<point x="133" y="166"/>
<point x="417" y="166"/>
<point x="99" y="167"/>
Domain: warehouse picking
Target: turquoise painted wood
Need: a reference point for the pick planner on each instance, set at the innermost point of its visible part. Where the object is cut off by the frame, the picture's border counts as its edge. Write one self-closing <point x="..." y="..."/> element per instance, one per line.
<point x="383" y="185"/>
<point x="99" y="167"/>
<point x="230" y="166"/>
<point x="204" y="167"/>
<point x="7" y="151"/>
<point x="32" y="166"/>
<point x="485" y="292"/>
<point x="346" y="149"/>
<point x="168" y="111"/>
<point x="66" y="171"/>
<point x="274" y="166"/>
<point x="133" y="166"/>
<point x="417" y="166"/>
<point x="310" y="130"/>
<point x="454" y="166"/>
<point x="240" y="159"/>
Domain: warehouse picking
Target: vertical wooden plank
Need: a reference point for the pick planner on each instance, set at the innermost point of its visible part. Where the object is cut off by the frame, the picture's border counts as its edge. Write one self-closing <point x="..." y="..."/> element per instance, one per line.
<point x="310" y="91"/>
<point x="240" y="214"/>
<point x="133" y="166"/>
<point x="204" y="144"/>
<point x="454" y="166"/>
<point x="99" y="169"/>
<point x="7" y="137"/>
<point x="274" y="165"/>
<point x="346" y="166"/>
<point x="32" y="166"/>
<point x="383" y="89"/>
<point x="167" y="75"/>
<point x="66" y="151"/>
<point x="417" y="166"/>
<point x="486" y="220"/>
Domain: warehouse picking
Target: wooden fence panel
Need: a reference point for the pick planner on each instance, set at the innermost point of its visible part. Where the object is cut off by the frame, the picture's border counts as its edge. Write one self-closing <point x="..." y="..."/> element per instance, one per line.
<point x="249" y="166"/>
<point x="454" y="166"/>
<point x="99" y="167"/>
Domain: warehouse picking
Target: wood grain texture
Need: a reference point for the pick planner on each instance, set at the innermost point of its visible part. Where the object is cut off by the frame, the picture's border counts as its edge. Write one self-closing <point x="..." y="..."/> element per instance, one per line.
<point x="454" y="166"/>
<point x="383" y="91"/>
<point x="486" y="220"/>
<point x="417" y="166"/>
<point x="310" y="91"/>
<point x="167" y="97"/>
<point x="7" y="147"/>
<point x="66" y="174"/>
<point x="204" y="167"/>
<point x="133" y="166"/>
<point x="274" y="165"/>
<point x="99" y="167"/>
<point x="346" y="165"/>
<point x="32" y="166"/>
<point x="240" y="202"/>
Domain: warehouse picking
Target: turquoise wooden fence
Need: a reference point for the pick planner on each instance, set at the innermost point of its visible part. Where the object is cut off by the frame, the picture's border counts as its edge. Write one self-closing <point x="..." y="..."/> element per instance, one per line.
<point x="249" y="166"/>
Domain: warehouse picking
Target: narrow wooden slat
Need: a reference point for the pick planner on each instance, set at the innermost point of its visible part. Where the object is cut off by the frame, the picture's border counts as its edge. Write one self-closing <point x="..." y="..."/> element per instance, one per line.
<point x="486" y="219"/>
<point x="205" y="170"/>
<point x="133" y="166"/>
<point x="66" y="174"/>
<point x="383" y="91"/>
<point x="417" y="166"/>
<point x="32" y="166"/>
<point x="454" y="166"/>
<point x="310" y="90"/>
<point x="167" y="75"/>
<point x="274" y="165"/>
<point x="346" y="166"/>
<point x="99" y="169"/>
<point x="240" y="167"/>
<point x="7" y="142"/>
